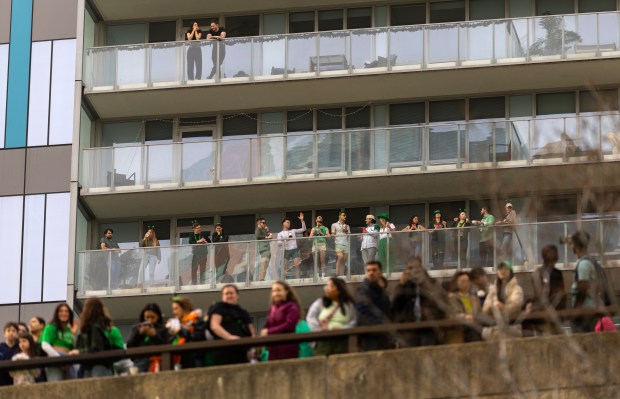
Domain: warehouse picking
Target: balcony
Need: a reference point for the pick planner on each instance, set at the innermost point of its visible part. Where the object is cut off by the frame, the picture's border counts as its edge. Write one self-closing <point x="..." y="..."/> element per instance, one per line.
<point x="366" y="52"/>
<point x="127" y="272"/>
<point x="351" y="153"/>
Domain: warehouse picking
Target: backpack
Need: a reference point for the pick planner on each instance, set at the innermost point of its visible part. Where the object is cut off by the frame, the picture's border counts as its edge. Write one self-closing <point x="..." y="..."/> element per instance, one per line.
<point x="603" y="287"/>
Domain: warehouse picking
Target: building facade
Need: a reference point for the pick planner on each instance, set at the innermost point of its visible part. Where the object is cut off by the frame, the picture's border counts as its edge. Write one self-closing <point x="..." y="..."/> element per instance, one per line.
<point x="39" y="97"/>
<point x="402" y="107"/>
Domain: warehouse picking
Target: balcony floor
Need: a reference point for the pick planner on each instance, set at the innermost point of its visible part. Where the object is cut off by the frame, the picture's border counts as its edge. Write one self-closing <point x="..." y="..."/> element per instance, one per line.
<point x="381" y="86"/>
<point x="438" y="183"/>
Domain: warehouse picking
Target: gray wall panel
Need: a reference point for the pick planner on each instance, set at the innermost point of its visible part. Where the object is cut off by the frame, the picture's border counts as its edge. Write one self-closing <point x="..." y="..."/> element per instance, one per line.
<point x="48" y="169"/>
<point x="45" y="310"/>
<point x="8" y="313"/>
<point x="54" y="19"/>
<point x="5" y="21"/>
<point x="12" y="171"/>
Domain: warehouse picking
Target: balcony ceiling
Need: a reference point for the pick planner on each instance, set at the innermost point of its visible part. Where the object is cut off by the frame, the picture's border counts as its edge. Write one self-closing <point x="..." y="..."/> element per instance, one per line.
<point x="322" y="91"/>
<point x="112" y="10"/>
<point x="448" y="184"/>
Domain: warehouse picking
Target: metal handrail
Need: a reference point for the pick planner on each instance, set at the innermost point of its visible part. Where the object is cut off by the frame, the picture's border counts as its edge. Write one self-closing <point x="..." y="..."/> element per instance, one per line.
<point x="352" y="335"/>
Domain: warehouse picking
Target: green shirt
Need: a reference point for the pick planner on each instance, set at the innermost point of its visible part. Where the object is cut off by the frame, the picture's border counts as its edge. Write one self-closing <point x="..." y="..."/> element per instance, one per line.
<point x="115" y="338"/>
<point x="320" y="233"/>
<point x="486" y="233"/>
<point x="52" y="336"/>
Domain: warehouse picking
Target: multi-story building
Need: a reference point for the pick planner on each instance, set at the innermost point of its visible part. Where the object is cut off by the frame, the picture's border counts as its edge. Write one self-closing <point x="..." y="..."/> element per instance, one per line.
<point x="404" y="107"/>
<point x="39" y="98"/>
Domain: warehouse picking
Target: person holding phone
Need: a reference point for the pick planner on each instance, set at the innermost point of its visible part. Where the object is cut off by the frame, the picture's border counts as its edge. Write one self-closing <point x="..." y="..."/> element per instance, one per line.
<point x="149" y="331"/>
<point x="199" y="253"/>
<point x="194" y="54"/>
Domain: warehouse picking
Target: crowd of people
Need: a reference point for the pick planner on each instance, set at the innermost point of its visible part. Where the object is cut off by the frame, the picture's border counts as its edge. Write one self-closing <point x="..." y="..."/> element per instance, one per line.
<point x="487" y="309"/>
<point x="374" y="244"/>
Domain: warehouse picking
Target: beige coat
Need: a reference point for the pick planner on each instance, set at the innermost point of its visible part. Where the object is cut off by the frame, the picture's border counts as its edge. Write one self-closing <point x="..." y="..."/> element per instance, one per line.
<point x="513" y="303"/>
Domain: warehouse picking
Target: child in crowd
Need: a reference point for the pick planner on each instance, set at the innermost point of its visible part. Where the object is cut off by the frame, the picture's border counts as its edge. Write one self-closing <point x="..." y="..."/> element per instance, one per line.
<point x="27" y="348"/>
<point x="8" y="349"/>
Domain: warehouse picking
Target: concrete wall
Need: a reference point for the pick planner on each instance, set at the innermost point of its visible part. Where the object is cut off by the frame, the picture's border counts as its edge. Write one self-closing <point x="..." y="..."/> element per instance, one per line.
<point x="584" y="366"/>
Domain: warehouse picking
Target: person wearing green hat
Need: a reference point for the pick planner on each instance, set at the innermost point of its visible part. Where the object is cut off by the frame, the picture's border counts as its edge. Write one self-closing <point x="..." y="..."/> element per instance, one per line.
<point x="505" y="296"/>
<point x="438" y="239"/>
<point x="386" y="248"/>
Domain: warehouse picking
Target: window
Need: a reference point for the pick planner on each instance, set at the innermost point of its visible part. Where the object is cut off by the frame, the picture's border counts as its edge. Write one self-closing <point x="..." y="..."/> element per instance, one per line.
<point x="247" y="25"/>
<point x="39" y="99"/>
<point x="407" y="113"/>
<point x="272" y="122"/>
<point x="486" y="9"/>
<point x="520" y="106"/>
<point x="299" y="121"/>
<point x="329" y="119"/>
<point x="356" y="217"/>
<point x="187" y="222"/>
<point x="357" y="117"/>
<point x="62" y="92"/>
<point x="32" y="259"/>
<point x="4" y="70"/>
<point x="555" y="103"/>
<point x="408" y="14"/>
<point x="56" y="257"/>
<point x="402" y="214"/>
<point x="545" y="7"/>
<point x="450" y="110"/>
<point x="358" y="18"/>
<point x="239" y="224"/>
<point x="519" y="8"/>
<point x="274" y="24"/>
<point x="299" y="22"/>
<point x="599" y="100"/>
<point x="121" y="132"/>
<point x="201" y="120"/>
<point x="487" y="108"/>
<point x="164" y="31"/>
<point x="11" y="246"/>
<point x="117" y="35"/>
<point x="126" y="234"/>
<point x="448" y="11"/>
<point x="596" y="5"/>
<point x="161" y="227"/>
<point x="240" y="125"/>
<point x="381" y="18"/>
<point x="158" y="131"/>
<point x="330" y="20"/>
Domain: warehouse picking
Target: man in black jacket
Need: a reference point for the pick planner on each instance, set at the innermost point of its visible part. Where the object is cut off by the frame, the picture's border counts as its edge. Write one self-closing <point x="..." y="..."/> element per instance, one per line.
<point x="372" y="306"/>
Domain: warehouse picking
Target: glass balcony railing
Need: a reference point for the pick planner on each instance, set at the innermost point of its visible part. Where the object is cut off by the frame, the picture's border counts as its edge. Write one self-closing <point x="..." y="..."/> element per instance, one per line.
<point x="351" y="52"/>
<point x="257" y="263"/>
<point x="378" y="151"/>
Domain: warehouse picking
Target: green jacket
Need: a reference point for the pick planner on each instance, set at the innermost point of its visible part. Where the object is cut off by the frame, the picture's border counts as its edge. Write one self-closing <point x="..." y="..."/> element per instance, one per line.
<point x="486" y="232"/>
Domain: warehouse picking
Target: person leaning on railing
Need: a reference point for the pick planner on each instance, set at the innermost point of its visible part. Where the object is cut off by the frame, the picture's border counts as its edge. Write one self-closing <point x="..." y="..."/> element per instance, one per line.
<point x="334" y="311"/>
<point x="283" y="316"/>
<point x="187" y="325"/>
<point x="57" y="340"/>
<point x="463" y="306"/>
<point x="504" y="303"/>
<point x="148" y="332"/>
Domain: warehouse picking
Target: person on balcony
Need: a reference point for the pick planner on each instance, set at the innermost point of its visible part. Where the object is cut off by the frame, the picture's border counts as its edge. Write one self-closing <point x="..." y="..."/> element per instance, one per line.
<point x="264" y="248"/>
<point x="217" y="33"/>
<point x="487" y="234"/>
<point x="319" y="243"/>
<point x="152" y="256"/>
<point x="194" y="54"/>
<point x="386" y="246"/>
<point x="370" y="239"/>
<point x="107" y="243"/>
<point x="438" y="239"/>
<point x="287" y="238"/>
<point x="200" y="252"/>
<point x="462" y="225"/>
<point x="415" y="238"/>
<point x="340" y="229"/>
<point x="508" y="223"/>
<point x="222" y="255"/>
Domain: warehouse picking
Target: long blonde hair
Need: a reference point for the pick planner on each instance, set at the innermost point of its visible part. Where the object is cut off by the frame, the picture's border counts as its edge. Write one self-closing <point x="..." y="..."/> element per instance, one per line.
<point x="152" y="238"/>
